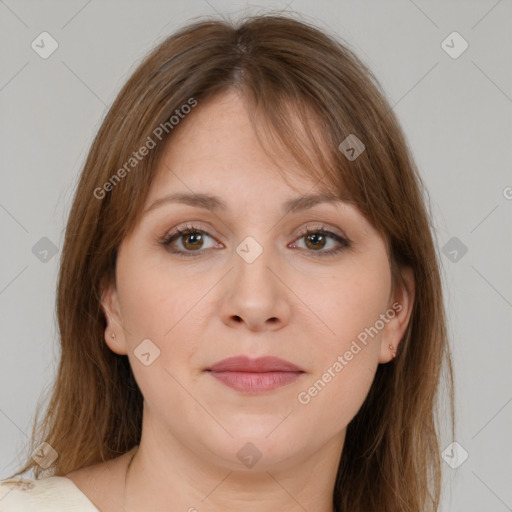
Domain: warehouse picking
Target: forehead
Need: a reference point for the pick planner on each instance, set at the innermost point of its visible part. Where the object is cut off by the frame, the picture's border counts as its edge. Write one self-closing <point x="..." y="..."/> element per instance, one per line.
<point x="217" y="147"/>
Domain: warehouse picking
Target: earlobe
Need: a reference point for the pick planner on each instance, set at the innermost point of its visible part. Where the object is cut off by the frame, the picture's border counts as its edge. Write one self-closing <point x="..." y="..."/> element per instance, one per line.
<point x="402" y="305"/>
<point x="114" y="332"/>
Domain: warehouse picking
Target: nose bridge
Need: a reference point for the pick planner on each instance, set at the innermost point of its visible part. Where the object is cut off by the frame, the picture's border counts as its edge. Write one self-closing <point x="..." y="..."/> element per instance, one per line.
<point x="255" y="295"/>
<point x="252" y="261"/>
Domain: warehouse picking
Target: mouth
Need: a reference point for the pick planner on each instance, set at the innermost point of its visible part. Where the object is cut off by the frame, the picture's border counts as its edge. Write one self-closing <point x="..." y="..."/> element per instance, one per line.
<point x="255" y="375"/>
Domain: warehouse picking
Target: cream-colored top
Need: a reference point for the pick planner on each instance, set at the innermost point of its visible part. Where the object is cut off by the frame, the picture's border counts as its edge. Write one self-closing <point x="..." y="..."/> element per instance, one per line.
<point x="51" y="494"/>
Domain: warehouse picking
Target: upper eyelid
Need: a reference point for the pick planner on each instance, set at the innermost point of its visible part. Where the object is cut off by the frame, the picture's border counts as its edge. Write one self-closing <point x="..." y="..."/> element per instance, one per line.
<point x="302" y="232"/>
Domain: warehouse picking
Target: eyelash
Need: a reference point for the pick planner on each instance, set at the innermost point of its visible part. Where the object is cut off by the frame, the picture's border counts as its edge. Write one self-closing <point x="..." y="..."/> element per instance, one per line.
<point x="189" y="229"/>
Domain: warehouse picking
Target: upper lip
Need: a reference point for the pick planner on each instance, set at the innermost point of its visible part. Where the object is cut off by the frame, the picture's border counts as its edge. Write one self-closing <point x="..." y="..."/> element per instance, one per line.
<point x="258" y="365"/>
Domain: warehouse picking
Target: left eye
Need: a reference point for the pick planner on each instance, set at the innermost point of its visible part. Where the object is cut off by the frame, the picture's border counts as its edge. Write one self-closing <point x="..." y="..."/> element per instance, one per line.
<point x="192" y="241"/>
<point x="317" y="239"/>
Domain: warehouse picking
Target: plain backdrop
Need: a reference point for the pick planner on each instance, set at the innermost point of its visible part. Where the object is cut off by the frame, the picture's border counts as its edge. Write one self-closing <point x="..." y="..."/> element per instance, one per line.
<point x="456" y="113"/>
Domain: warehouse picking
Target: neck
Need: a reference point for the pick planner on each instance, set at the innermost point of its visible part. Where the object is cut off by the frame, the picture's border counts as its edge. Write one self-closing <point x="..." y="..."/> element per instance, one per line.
<point x="154" y="481"/>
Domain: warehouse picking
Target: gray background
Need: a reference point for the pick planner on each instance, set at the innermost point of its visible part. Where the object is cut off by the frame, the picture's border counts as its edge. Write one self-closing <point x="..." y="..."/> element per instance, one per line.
<point x="457" y="117"/>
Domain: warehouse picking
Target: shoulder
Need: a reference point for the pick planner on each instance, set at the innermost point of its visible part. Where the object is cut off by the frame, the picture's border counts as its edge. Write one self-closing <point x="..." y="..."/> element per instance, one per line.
<point x="53" y="494"/>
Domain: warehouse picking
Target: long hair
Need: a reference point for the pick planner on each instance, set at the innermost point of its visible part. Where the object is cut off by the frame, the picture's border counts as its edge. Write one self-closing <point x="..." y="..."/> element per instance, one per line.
<point x="287" y="69"/>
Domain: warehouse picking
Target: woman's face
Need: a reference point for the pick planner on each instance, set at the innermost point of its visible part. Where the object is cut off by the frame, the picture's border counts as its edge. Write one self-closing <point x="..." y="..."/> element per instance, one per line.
<point x="249" y="281"/>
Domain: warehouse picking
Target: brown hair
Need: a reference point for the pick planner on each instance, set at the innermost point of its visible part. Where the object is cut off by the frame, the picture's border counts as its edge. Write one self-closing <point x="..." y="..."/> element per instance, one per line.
<point x="391" y="457"/>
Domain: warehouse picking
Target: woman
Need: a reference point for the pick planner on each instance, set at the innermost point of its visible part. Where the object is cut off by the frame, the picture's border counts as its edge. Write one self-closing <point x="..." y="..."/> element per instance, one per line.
<point x="249" y="299"/>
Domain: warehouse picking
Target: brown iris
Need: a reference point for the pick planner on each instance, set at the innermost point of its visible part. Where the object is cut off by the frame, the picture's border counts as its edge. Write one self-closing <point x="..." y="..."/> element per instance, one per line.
<point x="196" y="240"/>
<point x="315" y="238"/>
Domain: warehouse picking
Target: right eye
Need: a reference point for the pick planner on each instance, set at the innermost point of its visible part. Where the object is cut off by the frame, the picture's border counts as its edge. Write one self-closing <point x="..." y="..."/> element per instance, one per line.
<point x="191" y="239"/>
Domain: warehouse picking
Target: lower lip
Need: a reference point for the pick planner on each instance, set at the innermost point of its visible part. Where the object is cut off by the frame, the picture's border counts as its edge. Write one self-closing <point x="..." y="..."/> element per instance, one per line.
<point x="255" y="382"/>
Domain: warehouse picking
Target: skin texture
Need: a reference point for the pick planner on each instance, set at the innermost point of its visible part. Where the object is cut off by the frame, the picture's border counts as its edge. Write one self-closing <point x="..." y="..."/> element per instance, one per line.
<point x="291" y="302"/>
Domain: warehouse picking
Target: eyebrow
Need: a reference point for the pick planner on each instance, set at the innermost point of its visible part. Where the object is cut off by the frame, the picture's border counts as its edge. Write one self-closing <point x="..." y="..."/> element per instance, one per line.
<point x="215" y="203"/>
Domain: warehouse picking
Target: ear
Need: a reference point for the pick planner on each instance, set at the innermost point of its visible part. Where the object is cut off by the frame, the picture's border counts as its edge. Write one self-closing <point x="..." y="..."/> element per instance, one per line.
<point x="399" y="313"/>
<point x="111" y="309"/>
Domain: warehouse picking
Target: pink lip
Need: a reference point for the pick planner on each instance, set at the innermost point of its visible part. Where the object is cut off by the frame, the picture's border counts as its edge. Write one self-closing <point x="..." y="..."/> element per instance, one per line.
<point x="259" y="365"/>
<point x="255" y="375"/>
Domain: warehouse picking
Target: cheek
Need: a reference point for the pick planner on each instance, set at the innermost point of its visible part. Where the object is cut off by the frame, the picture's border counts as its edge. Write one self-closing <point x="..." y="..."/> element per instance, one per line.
<point x="161" y="304"/>
<point x="335" y="397"/>
<point x="350" y="300"/>
<point x="350" y="304"/>
<point x="156" y="297"/>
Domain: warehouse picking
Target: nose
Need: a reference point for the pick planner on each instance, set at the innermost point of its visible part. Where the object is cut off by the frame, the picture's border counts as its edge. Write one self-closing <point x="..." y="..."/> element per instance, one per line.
<point x="254" y="297"/>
